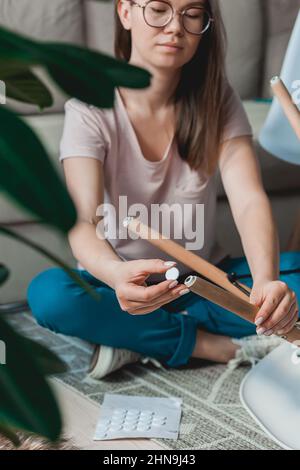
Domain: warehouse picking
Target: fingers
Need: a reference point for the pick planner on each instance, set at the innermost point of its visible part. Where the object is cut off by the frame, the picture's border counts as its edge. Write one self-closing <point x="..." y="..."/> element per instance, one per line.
<point x="290" y="325"/>
<point x="134" y="292"/>
<point x="149" y="309"/>
<point x="142" y="294"/>
<point x="150" y="266"/>
<point x="282" y="325"/>
<point x="269" y="305"/>
<point x="279" y="314"/>
<point x="132" y="296"/>
<point x="281" y="318"/>
<point x="162" y="300"/>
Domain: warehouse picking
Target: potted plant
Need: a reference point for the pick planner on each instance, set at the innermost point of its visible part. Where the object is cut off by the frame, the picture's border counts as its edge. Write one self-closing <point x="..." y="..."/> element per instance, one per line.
<point x="29" y="179"/>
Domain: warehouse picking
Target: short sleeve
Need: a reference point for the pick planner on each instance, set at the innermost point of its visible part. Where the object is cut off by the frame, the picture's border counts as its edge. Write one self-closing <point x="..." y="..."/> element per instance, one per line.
<point x="236" y="123"/>
<point x="82" y="135"/>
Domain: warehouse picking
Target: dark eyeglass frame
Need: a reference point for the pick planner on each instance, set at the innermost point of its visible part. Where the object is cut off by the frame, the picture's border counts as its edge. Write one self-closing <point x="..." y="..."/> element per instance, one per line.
<point x="174" y="11"/>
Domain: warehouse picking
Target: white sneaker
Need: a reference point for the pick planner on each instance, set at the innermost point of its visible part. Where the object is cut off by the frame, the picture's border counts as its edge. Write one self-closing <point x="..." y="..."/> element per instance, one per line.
<point x="106" y="360"/>
<point x="253" y="348"/>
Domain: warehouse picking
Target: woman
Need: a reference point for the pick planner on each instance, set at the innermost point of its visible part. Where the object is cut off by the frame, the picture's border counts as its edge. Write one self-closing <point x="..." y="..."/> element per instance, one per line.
<point x="163" y="144"/>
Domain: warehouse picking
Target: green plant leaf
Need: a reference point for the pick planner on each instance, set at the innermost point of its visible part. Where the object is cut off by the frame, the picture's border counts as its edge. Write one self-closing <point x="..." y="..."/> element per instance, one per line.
<point x="28" y="176"/>
<point x="101" y="75"/>
<point x="48" y="361"/>
<point x="23" y="85"/>
<point x="10" y="434"/>
<point x="82" y="73"/>
<point x="26" y="399"/>
<point x="53" y="258"/>
<point x="4" y="274"/>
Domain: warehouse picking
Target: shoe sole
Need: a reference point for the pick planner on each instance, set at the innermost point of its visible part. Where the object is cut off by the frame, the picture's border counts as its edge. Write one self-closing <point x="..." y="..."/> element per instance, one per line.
<point x="103" y="363"/>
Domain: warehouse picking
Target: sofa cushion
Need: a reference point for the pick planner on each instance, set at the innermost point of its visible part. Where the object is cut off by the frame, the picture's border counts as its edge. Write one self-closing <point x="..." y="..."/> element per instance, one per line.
<point x="55" y="20"/>
<point x="99" y="13"/>
<point x="24" y="263"/>
<point x="273" y="168"/>
<point x="279" y="18"/>
<point x="285" y="211"/>
<point x="244" y="26"/>
<point x="49" y="130"/>
<point x="278" y="176"/>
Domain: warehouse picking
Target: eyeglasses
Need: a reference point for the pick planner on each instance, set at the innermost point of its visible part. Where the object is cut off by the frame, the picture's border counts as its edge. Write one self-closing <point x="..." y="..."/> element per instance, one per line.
<point x="158" y="13"/>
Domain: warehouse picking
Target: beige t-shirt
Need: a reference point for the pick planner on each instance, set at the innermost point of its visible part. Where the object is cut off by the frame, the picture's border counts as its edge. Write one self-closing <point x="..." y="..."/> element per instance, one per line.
<point x="133" y="183"/>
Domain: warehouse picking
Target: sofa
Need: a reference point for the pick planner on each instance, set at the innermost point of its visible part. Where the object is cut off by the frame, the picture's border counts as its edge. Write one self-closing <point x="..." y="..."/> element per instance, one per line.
<point x="258" y="34"/>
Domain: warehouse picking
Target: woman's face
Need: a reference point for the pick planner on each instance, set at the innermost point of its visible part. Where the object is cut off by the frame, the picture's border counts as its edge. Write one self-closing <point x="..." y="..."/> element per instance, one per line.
<point x="147" y="41"/>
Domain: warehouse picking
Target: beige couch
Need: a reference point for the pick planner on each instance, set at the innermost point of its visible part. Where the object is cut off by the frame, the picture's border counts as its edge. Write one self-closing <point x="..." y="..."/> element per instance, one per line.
<point x="258" y="33"/>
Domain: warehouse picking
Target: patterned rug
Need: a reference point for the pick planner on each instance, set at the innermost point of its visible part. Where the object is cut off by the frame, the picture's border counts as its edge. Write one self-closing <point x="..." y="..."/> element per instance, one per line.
<point x="213" y="416"/>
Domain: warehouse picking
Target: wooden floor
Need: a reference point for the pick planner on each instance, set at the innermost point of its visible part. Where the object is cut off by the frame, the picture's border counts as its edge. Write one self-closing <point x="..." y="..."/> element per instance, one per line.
<point x="80" y="415"/>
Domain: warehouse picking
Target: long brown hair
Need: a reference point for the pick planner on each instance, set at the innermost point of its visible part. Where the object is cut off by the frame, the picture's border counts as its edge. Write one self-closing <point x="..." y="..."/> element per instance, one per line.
<point x="199" y="96"/>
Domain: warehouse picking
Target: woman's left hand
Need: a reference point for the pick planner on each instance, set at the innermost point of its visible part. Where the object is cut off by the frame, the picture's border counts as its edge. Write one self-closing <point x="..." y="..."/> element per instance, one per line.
<point x="278" y="304"/>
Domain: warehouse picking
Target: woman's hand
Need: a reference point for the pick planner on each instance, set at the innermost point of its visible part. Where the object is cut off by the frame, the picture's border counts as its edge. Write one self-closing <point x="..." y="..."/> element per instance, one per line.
<point x="131" y="289"/>
<point x="278" y="304"/>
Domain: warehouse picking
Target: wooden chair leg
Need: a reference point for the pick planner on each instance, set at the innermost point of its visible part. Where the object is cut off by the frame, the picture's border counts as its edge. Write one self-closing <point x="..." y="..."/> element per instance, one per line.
<point x="294" y="241"/>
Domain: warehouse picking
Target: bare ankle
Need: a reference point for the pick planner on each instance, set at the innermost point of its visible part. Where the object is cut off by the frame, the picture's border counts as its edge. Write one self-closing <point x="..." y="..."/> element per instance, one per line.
<point x="215" y="348"/>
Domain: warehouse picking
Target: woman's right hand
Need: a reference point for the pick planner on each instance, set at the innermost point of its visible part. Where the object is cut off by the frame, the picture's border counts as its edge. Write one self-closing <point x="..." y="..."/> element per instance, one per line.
<point x="133" y="294"/>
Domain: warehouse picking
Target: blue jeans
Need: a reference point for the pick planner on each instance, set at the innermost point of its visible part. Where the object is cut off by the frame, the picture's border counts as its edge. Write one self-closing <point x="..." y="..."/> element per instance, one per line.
<point x="165" y="334"/>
